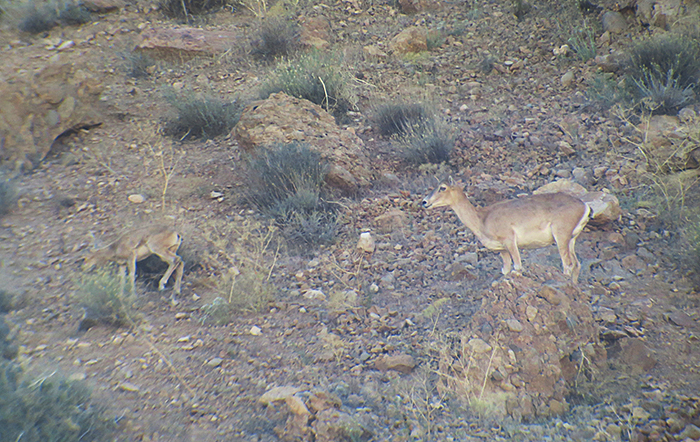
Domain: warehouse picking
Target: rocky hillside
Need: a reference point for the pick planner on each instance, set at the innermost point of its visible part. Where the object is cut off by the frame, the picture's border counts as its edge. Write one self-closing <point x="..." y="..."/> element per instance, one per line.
<point x="361" y="316"/>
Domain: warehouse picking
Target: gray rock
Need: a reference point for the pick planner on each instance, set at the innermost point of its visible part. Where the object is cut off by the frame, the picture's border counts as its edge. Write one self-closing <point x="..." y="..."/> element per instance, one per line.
<point x="614" y="22"/>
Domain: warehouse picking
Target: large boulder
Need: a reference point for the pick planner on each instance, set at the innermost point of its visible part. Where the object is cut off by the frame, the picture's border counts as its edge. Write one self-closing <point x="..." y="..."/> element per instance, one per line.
<point x="281" y="119"/>
<point x="36" y="109"/>
<point x="526" y="347"/>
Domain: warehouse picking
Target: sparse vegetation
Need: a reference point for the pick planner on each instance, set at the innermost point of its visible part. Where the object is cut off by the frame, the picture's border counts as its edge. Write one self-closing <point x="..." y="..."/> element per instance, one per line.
<point x="50" y="408"/>
<point x="38" y="19"/>
<point x="287" y="185"/>
<point x="316" y="77"/>
<point x="434" y="40"/>
<point x="429" y="142"/>
<point x="138" y="64"/>
<point x="8" y="196"/>
<point x="200" y="116"/>
<point x="582" y="42"/>
<point x="276" y="38"/>
<point x="398" y="117"/>
<point x="245" y="285"/>
<point x="663" y="72"/>
<point x="102" y="297"/>
<point x="606" y="92"/>
<point x="185" y="9"/>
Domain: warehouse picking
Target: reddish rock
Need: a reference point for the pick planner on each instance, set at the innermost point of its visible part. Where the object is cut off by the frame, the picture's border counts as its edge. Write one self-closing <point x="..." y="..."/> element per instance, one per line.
<point x="413" y="39"/>
<point x="185" y="42"/>
<point x="402" y="363"/>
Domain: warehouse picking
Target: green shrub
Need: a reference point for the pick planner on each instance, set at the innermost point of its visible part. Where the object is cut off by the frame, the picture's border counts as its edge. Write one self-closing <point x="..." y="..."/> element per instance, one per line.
<point x="48" y="409"/>
<point x="38" y="20"/>
<point x="582" y="42"/>
<point x="286" y="183"/>
<point x="183" y="9"/>
<point x="201" y="116"/>
<point x="430" y="142"/>
<point x="315" y="77"/>
<point x="74" y="14"/>
<point x="276" y="38"/>
<point x="520" y="8"/>
<point x="8" y="196"/>
<point x="105" y="299"/>
<point x="434" y="40"/>
<point x="663" y="72"/>
<point x="398" y="117"/>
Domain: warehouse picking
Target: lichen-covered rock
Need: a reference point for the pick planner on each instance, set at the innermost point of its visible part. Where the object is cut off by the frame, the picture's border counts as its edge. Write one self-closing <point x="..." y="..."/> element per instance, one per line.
<point x="35" y="109"/>
<point x="281" y="119"/>
<point x="525" y="347"/>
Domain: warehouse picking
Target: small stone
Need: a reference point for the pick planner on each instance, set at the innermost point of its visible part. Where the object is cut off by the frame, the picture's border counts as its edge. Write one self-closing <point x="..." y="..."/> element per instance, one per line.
<point x="136" y="198"/>
<point x="567" y="79"/>
<point x="531" y="313"/>
<point x="297" y="406"/>
<point x="128" y="386"/>
<point x="639" y="414"/>
<point x="366" y="242"/>
<point x="315" y="294"/>
<point x="514" y="325"/>
<point x="66" y="45"/>
<point x="607" y="315"/>
<point x="214" y="362"/>
<point x="255" y="330"/>
<point x="402" y="363"/>
<point x="181" y="315"/>
<point x="691" y="432"/>
<point x="215" y="195"/>
<point x="479" y="345"/>
<point x="278" y="394"/>
<point x="80" y="376"/>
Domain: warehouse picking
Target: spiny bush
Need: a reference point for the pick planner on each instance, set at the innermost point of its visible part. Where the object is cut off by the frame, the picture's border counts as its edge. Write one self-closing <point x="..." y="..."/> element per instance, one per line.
<point x="429" y="142"/>
<point x="8" y="196"/>
<point x="276" y="38"/>
<point x="316" y="77"/>
<point x="183" y="9"/>
<point x="48" y="409"/>
<point x="398" y="117"/>
<point x="286" y="183"/>
<point x="201" y="116"/>
<point x="663" y="72"/>
<point x="100" y="295"/>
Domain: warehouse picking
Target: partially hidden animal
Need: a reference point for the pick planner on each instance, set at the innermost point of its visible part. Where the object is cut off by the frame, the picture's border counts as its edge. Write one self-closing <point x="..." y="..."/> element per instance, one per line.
<point x="138" y="244"/>
<point x="529" y="222"/>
